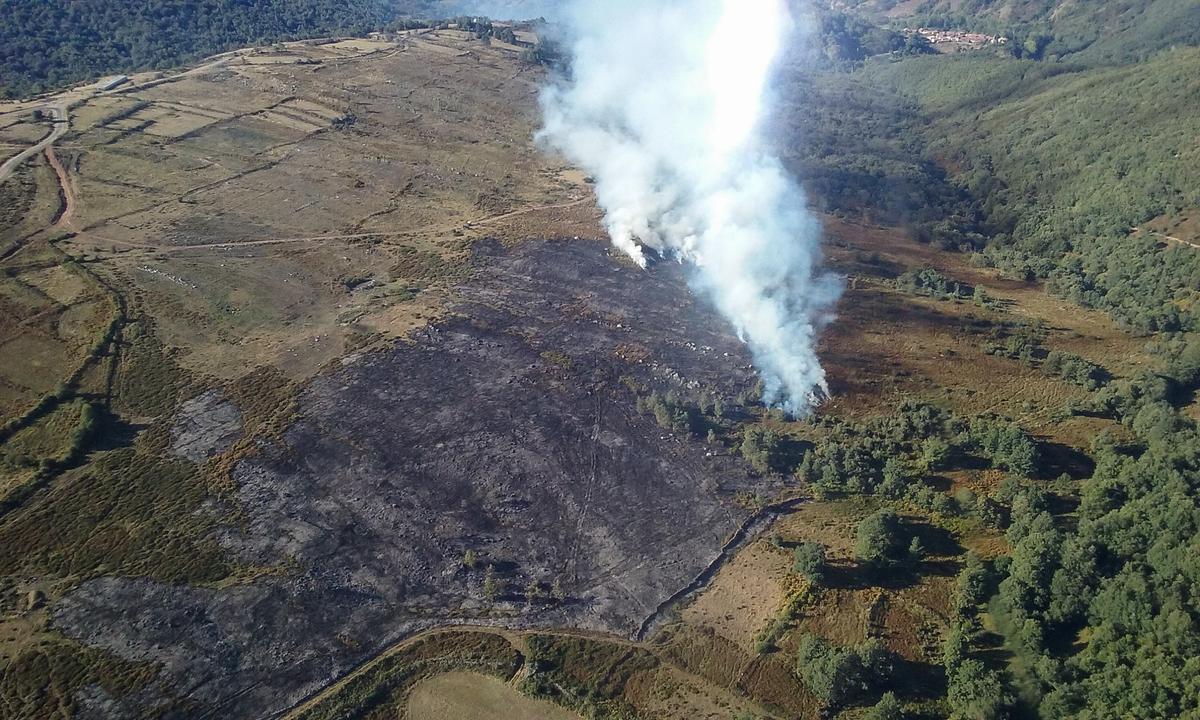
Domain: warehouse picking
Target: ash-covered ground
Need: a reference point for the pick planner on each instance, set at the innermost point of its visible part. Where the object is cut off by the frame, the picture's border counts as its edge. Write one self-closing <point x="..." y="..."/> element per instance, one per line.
<point x="509" y="431"/>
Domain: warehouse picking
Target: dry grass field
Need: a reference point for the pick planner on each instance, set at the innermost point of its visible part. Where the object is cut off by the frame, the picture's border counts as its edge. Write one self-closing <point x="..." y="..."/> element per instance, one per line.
<point x="470" y="696"/>
<point x="888" y="344"/>
<point x="272" y="213"/>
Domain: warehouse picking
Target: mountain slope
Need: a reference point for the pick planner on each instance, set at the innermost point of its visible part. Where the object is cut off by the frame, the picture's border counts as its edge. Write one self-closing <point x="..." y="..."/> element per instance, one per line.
<point x="1067" y="161"/>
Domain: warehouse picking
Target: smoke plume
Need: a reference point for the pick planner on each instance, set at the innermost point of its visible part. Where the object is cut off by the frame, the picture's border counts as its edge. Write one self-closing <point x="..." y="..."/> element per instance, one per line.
<point x="663" y="106"/>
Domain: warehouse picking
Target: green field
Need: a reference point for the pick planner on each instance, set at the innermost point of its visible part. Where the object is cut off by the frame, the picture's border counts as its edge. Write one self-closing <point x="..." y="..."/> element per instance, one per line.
<point x="470" y="696"/>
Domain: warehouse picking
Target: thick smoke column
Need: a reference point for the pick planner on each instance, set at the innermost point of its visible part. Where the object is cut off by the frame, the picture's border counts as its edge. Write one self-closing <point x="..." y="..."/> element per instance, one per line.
<point x="664" y="107"/>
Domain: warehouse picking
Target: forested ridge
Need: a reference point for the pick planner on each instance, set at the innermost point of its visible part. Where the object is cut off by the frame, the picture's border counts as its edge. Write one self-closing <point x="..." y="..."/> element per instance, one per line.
<point x="50" y="43"/>
<point x="1094" y="32"/>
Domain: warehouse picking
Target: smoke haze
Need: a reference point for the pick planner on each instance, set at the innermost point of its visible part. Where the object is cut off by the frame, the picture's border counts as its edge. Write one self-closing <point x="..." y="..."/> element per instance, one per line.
<point x="663" y="107"/>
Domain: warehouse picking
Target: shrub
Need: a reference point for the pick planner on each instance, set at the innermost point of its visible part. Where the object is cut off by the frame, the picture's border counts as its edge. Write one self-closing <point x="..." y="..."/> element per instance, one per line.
<point x="880" y="543"/>
<point x="888" y="708"/>
<point x="839" y="674"/>
<point x="809" y="561"/>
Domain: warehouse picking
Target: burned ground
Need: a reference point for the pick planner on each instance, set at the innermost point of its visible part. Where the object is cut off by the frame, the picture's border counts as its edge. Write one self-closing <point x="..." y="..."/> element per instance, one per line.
<point x="281" y="486"/>
<point x="510" y="431"/>
<point x="206" y="425"/>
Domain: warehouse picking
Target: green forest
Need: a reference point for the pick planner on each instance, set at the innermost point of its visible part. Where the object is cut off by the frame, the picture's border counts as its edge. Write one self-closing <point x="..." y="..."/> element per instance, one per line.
<point x="1060" y="171"/>
<point x="46" y="44"/>
<point x="1043" y="163"/>
<point x="1065" y="161"/>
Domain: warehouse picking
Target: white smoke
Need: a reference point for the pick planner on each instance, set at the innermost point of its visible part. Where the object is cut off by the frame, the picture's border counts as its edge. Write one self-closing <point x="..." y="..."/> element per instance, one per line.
<point x="664" y="108"/>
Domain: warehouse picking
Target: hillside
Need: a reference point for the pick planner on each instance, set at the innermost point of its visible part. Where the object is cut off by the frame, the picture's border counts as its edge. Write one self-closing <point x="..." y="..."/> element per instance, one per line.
<point x="1083" y="181"/>
<point x="49" y="44"/>
<point x="1066" y="164"/>
<point x="323" y="394"/>
<point x="1093" y="32"/>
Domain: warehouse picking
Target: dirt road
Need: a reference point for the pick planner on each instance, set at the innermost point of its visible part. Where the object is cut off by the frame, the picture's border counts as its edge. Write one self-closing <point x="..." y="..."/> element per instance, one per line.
<point x="1181" y="241"/>
<point x="513" y="635"/>
<point x="239" y="244"/>
<point x="67" y="191"/>
<point x="62" y="120"/>
<point x="1164" y="236"/>
<point x="62" y="123"/>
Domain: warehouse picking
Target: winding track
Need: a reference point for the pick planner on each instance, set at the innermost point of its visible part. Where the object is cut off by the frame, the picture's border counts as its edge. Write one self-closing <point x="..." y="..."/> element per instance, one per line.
<point x="62" y="123"/>
<point x="238" y="244"/>
<point x="67" y="192"/>
<point x="62" y="119"/>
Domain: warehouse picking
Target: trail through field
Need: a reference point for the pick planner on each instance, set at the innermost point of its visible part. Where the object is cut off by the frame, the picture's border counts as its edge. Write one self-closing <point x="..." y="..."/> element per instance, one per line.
<point x="66" y="209"/>
<point x="1168" y="238"/>
<point x="66" y="190"/>
<point x="234" y="244"/>
<point x="62" y="121"/>
<point x="526" y="211"/>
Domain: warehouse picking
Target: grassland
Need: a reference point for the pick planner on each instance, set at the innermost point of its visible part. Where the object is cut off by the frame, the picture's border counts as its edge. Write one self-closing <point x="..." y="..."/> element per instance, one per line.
<point x="1083" y="173"/>
<point x="469" y="696"/>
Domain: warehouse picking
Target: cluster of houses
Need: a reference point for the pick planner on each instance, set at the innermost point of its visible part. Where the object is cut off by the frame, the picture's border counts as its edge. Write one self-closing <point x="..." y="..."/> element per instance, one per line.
<point x="937" y="36"/>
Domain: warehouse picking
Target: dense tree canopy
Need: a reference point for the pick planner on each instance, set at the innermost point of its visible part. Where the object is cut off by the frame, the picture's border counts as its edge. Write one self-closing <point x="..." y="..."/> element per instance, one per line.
<point x="48" y="43"/>
<point x="839" y="674"/>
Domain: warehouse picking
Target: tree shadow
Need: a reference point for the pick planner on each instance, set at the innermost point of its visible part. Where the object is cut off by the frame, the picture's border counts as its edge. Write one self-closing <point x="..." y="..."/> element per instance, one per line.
<point x="911" y="680"/>
<point x="936" y="540"/>
<point x="1058" y="459"/>
<point x="1182" y="396"/>
<point x="859" y="576"/>
<point x="915" y="680"/>
<point x="939" y="568"/>
<point x="941" y="483"/>
<point x="788" y="454"/>
<point x="1063" y="505"/>
<point x="503" y="568"/>
<point x="848" y="576"/>
<point x="112" y="432"/>
<point x="967" y="461"/>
